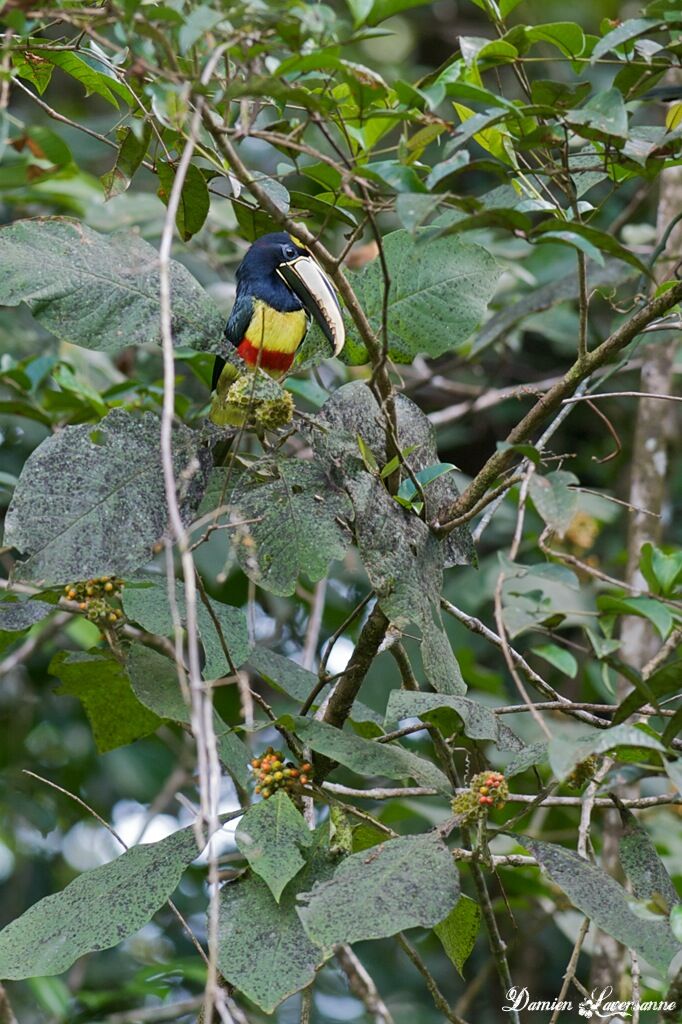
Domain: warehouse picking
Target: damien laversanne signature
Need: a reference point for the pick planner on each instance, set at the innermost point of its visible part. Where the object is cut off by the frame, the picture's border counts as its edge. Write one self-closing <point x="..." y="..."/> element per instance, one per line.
<point x="597" y="1005"/>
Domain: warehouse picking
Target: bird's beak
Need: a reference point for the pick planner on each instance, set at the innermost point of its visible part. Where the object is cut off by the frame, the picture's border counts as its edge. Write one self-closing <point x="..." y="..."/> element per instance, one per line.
<point x="307" y="280"/>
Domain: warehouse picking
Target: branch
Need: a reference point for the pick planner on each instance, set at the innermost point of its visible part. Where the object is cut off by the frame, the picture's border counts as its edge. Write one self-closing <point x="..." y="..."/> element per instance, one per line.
<point x="554" y="398"/>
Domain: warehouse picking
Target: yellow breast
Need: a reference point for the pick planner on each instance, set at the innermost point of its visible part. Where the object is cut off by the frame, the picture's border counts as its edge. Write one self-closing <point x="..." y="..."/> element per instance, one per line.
<point x="278" y="332"/>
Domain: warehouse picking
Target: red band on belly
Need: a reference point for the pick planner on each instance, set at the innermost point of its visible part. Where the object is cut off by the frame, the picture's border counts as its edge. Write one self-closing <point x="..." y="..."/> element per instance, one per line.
<point x="266" y="358"/>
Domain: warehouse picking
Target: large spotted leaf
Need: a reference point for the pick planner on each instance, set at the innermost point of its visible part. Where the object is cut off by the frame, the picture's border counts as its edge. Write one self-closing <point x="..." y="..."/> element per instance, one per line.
<point x="439" y="292"/>
<point x="100" y="291"/>
<point x="294" y="522"/>
<point x="91" y="499"/>
<point x="97" y="910"/>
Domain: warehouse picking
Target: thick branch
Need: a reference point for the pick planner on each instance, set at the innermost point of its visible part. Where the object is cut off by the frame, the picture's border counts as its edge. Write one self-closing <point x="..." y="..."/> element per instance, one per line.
<point x="553" y="398"/>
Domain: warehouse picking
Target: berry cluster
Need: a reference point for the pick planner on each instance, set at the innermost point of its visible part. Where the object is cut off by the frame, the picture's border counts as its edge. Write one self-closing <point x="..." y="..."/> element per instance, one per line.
<point x="274" y="773"/>
<point x="486" y="790"/>
<point x="94" y="596"/>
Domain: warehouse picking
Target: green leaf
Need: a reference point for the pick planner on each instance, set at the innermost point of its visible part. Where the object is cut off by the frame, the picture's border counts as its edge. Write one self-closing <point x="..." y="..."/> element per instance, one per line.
<point x="401" y="555"/>
<point x="297" y="528"/>
<point x="665" y="680"/>
<point x="656" y="612"/>
<point x="194" y="198"/>
<point x="35" y="68"/>
<point x="403" y="883"/>
<point x="663" y="572"/>
<point x="131" y="153"/>
<point x="479" y="722"/>
<point x="382" y="9"/>
<point x="262" y="948"/>
<point x="154" y="679"/>
<point x="622" y="33"/>
<point x="270" y="835"/>
<point x="642" y="865"/>
<point x="155" y="682"/>
<point x="17" y="617"/>
<point x="100" y="291"/>
<point x="458" y="931"/>
<point x="590" y="240"/>
<point x="102" y="685"/>
<point x="439" y="293"/>
<point x="90" y="72"/>
<point x="568" y="37"/>
<point x="566" y="752"/>
<point x="408" y="491"/>
<point x="149" y="606"/>
<point x="603" y="112"/>
<point x="97" y="910"/>
<point x="283" y="673"/>
<point x="447" y="167"/>
<point x="559" y="657"/>
<point x="604" y="901"/>
<point x="367" y="757"/>
<point x="554" y="499"/>
<point x="91" y="501"/>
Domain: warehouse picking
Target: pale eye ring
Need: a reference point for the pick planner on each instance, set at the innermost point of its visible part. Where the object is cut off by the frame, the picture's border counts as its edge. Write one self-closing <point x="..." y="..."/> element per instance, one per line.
<point x="289" y="251"/>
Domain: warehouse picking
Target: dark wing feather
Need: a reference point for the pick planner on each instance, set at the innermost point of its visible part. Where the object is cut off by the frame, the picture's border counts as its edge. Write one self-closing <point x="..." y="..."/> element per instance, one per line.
<point x="235" y="329"/>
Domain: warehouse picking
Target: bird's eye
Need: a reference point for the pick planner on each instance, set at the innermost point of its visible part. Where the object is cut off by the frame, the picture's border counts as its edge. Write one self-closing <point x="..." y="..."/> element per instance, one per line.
<point x="289" y="251"/>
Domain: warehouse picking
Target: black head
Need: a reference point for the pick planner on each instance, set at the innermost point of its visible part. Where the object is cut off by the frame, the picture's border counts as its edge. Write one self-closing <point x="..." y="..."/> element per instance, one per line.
<point x="257" y="273"/>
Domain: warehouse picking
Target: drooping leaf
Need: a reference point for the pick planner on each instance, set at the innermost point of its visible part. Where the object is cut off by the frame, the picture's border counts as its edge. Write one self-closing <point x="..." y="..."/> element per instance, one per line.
<point x="33" y="67"/>
<point x="438" y="295"/>
<point x="458" y="931"/>
<point x="566" y="752"/>
<point x="100" y="291"/>
<point x="656" y="612"/>
<point x="283" y="673"/>
<point x="604" y="111"/>
<point x="102" y="685"/>
<point x="559" y="657"/>
<point x="567" y="36"/>
<point x="270" y="835"/>
<point x="642" y="865"/>
<point x="605" y="902"/>
<point x="148" y="604"/>
<point x="131" y="153"/>
<point x="297" y="524"/>
<point x="16" y="617"/>
<point x="154" y="680"/>
<point x="91" y="500"/>
<point x="367" y="757"/>
<point x="554" y="499"/>
<point x="97" y="910"/>
<point x="262" y="948"/>
<point x="403" y="883"/>
<point x="194" y="198"/>
<point x="665" y="680"/>
<point x="92" y="73"/>
<point x="478" y="721"/>
<point x="622" y="33"/>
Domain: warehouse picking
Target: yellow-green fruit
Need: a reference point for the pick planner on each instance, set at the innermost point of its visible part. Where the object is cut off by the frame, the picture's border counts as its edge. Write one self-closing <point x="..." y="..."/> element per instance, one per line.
<point x="276" y="412"/>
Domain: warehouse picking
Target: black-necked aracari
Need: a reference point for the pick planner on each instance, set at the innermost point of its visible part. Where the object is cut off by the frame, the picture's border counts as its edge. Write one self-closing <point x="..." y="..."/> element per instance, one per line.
<point x="280" y="290"/>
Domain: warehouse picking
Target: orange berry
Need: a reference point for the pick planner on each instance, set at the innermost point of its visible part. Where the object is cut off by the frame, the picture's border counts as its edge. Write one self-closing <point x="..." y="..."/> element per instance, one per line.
<point x="303" y="780"/>
<point x="255" y="763"/>
<point x="83" y="605"/>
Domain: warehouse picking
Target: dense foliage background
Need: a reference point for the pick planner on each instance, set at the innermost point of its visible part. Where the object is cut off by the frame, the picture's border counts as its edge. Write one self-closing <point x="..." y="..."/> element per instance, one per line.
<point x="498" y="199"/>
